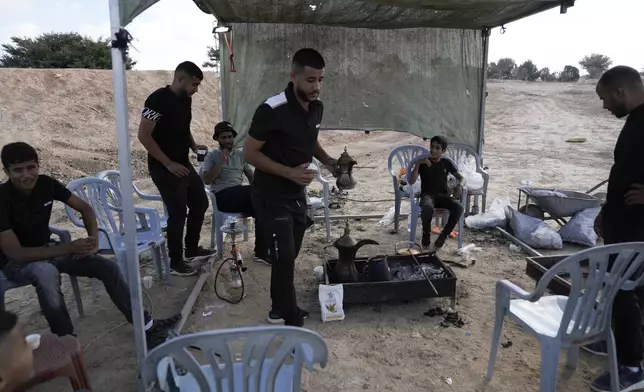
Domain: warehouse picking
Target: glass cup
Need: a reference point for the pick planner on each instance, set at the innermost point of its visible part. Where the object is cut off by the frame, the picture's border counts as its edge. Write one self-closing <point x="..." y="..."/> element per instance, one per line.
<point x="201" y="154"/>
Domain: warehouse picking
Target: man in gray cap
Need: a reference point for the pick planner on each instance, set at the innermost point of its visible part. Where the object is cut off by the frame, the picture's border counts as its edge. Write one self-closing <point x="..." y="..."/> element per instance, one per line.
<point x="223" y="171"/>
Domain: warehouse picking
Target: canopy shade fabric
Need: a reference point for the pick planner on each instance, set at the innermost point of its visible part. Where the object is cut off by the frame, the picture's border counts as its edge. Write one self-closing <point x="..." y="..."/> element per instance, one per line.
<point x="379" y="14"/>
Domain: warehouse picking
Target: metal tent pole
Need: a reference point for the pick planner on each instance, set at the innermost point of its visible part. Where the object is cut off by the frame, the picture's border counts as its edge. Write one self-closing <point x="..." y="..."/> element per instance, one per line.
<point x="222" y="84"/>
<point x="119" y="45"/>
<point x="481" y="135"/>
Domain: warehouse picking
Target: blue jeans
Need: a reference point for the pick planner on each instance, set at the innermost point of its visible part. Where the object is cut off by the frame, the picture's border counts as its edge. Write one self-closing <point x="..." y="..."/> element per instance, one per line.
<point x="45" y="277"/>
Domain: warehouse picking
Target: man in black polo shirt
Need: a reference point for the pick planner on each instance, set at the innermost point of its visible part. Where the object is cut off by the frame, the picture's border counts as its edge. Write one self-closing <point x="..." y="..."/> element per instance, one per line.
<point x="622" y="217"/>
<point x="165" y="133"/>
<point x="281" y="143"/>
<point x="27" y="255"/>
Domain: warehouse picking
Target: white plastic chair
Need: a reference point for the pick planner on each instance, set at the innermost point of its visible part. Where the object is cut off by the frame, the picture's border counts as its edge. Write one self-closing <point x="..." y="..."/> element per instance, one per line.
<point x="462" y="152"/>
<point x="316" y="203"/>
<point x="403" y="155"/>
<point x="105" y="200"/>
<point x="114" y="177"/>
<point x="438" y="212"/>
<point x="583" y="317"/>
<point x="218" y="219"/>
<point x="252" y="359"/>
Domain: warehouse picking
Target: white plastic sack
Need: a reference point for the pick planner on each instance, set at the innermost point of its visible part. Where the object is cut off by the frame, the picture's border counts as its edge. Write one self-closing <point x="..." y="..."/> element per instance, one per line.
<point x="388" y="218"/>
<point x="581" y="228"/>
<point x="467" y="167"/>
<point x="495" y="215"/>
<point x="534" y="232"/>
<point x="331" y="297"/>
<point x="415" y="187"/>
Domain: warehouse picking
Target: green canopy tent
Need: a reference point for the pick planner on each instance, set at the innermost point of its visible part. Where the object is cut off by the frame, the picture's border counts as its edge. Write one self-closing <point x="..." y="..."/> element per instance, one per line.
<point x="415" y="66"/>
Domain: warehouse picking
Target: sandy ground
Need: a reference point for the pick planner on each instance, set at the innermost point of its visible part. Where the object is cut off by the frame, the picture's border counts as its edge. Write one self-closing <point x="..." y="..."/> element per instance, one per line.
<point x="385" y="347"/>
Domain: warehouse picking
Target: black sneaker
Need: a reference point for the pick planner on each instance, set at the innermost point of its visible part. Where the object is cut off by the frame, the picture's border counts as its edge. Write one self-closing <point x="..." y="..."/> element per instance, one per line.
<point x="629" y="380"/>
<point x="182" y="268"/>
<point x="275" y="318"/>
<point x="263" y="259"/>
<point x="597" y="348"/>
<point x="426" y="239"/>
<point x="199" y="252"/>
<point x="440" y="241"/>
<point x="160" y="331"/>
<point x="168" y="323"/>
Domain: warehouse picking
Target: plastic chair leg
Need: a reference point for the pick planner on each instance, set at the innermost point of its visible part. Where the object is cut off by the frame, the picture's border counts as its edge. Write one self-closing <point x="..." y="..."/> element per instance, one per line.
<point x="549" y="364"/>
<point x="156" y="258"/>
<point x="496" y="337"/>
<point x="165" y="258"/>
<point x="213" y="229"/>
<point x="94" y="289"/>
<point x="327" y="222"/>
<point x="77" y="295"/>
<point x="220" y="243"/>
<point x="397" y="202"/>
<point x="413" y="224"/>
<point x="572" y="357"/>
<point x="612" y="361"/>
<point x="246" y="231"/>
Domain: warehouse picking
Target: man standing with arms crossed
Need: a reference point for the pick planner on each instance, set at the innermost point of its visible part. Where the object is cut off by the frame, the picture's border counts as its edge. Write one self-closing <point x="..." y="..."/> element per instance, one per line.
<point x="281" y="143"/>
<point x="165" y="133"/>
<point x="622" y="217"/>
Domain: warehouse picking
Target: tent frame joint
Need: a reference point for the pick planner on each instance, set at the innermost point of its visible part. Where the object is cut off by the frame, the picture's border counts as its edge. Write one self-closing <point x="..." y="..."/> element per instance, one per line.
<point x="122" y="39"/>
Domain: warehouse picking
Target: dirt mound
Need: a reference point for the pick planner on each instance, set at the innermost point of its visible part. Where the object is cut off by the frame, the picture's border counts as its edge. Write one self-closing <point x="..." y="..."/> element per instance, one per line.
<point x="68" y="114"/>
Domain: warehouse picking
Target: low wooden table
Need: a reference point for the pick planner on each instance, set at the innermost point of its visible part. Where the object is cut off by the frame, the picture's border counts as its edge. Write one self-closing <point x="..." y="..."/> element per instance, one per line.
<point x="59" y="356"/>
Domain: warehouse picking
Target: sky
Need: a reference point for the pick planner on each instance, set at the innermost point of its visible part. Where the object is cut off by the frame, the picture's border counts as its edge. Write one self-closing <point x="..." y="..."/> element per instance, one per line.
<point x="173" y="31"/>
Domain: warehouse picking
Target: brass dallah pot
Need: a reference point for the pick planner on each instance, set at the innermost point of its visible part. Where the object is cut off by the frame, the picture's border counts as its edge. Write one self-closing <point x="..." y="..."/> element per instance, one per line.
<point x="345" y="180"/>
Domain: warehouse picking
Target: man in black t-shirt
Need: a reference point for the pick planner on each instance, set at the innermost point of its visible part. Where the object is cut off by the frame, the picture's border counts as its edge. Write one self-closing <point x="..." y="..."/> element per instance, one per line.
<point x="435" y="193"/>
<point x="165" y="133"/>
<point x="281" y="144"/>
<point x="622" y="219"/>
<point x="27" y="255"/>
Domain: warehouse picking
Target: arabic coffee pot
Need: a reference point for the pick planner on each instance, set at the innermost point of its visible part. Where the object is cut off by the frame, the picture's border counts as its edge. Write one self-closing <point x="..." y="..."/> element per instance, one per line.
<point x="345" y="271"/>
<point x="345" y="164"/>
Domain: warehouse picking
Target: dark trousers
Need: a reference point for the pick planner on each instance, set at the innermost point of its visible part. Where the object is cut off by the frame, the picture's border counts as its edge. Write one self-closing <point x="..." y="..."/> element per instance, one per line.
<point x="428" y="204"/>
<point x="237" y="199"/>
<point x="282" y="223"/>
<point x="184" y="197"/>
<point x="627" y="313"/>
<point x="45" y="277"/>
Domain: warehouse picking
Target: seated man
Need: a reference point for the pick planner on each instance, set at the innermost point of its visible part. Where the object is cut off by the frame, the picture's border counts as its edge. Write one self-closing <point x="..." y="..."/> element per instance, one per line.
<point x="16" y="356"/>
<point x="435" y="193"/>
<point x="28" y="255"/>
<point x="222" y="170"/>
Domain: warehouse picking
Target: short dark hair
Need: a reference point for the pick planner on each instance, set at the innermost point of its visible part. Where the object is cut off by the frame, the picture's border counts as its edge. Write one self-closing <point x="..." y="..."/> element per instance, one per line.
<point x="620" y="76"/>
<point x="8" y="322"/>
<point x="308" y="57"/>
<point x="440" y="140"/>
<point x="17" y="152"/>
<point x="190" y="69"/>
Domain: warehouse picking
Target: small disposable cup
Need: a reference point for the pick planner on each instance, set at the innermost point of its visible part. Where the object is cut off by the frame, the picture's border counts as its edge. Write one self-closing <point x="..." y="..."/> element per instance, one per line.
<point x="33" y="341"/>
<point x="147" y="282"/>
<point x="319" y="273"/>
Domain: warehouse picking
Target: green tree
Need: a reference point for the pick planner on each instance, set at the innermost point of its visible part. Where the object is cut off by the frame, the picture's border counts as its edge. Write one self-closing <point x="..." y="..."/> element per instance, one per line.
<point x="569" y="74"/>
<point x="493" y="71"/>
<point x="595" y="64"/>
<point x="214" y="58"/>
<point x="546" y="75"/>
<point x="507" y="68"/>
<point x="59" y="50"/>
<point x="527" y="71"/>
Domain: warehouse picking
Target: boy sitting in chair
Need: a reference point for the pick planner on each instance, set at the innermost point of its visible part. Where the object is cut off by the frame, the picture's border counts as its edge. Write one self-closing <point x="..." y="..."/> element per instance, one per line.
<point x="435" y="192"/>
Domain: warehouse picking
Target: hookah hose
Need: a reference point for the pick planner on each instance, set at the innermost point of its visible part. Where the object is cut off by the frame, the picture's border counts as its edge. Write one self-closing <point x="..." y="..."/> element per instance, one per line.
<point x="241" y="278"/>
